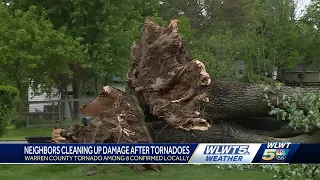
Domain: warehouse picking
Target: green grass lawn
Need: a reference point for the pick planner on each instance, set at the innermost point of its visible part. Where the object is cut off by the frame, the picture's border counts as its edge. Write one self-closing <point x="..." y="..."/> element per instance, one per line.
<point x="19" y="134"/>
<point x="115" y="172"/>
<point x="41" y="130"/>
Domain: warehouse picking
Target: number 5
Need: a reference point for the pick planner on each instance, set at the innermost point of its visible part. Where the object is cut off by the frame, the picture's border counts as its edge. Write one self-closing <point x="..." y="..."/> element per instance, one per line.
<point x="268" y="154"/>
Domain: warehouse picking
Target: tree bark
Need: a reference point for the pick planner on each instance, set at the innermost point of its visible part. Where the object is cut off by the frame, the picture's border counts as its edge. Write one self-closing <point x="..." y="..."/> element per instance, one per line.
<point x="76" y="88"/>
<point x="231" y="100"/>
<point x="66" y="96"/>
<point x="222" y="132"/>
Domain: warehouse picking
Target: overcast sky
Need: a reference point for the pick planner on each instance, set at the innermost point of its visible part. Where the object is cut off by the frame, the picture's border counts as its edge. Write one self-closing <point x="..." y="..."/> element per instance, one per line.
<point x="301" y="6"/>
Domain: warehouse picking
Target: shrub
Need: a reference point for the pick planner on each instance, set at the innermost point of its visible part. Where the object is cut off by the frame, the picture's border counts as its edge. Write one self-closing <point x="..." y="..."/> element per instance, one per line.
<point x="20" y="124"/>
<point x="8" y="98"/>
<point x="283" y="171"/>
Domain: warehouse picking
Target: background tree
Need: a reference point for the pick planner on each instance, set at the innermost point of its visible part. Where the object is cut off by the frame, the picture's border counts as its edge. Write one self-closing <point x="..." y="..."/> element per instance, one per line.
<point x="8" y="99"/>
<point x="29" y="45"/>
<point x="107" y="29"/>
<point x="309" y="26"/>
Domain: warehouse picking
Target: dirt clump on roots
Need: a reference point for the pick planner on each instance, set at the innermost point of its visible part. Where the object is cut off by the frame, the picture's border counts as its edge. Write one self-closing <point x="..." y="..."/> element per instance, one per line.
<point x="123" y="122"/>
<point x="166" y="79"/>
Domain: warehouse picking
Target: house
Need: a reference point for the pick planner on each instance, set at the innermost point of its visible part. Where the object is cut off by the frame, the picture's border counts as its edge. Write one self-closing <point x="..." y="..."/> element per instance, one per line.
<point x="299" y="76"/>
<point x="296" y="77"/>
<point x="40" y="107"/>
<point x="53" y="107"/>
<point x="307" y="78"/>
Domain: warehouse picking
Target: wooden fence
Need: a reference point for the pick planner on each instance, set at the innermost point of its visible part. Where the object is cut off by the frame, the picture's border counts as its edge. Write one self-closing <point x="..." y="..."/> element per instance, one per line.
<point x="305" y="84"/>
<point x="53" y="110"/>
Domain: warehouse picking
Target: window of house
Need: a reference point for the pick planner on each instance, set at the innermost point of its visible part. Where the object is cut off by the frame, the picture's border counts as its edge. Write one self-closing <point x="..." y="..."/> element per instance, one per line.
<point x="300" y="76"/>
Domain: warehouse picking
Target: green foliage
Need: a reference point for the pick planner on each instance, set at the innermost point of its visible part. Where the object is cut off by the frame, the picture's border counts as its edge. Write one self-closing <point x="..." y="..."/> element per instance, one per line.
<point x="107" y="29"/>
<point x="262" y="34"/>
<point x="18" y="124"/>
<point x="8" y="100"/>
<point x="159" y="20"/>
<point x="296" y="171"/>
<point x="310" y="32"/>
<point x="31" y="49"/>
<point x="313" y="15"/>
<point x="283" y="172"/>
<point x="301" y="111"/>
<point x="219" y="53"/>
<point x="172" y="9"/>
<point x="306" y="117"/>
<point x="185" y="29"/>
<point x="272" y="41"/>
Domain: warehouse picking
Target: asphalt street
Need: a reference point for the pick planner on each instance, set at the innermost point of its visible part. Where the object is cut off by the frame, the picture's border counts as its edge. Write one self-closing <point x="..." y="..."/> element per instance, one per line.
<point x="13" y="142"/>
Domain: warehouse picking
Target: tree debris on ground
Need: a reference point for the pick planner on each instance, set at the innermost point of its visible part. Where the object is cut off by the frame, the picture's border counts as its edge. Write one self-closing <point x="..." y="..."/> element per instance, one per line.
<point x="120" y="122"/>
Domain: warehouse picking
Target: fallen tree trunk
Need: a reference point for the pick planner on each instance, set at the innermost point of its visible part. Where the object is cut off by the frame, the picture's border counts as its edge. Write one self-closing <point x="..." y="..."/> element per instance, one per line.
<point x="124" y="121"/>
<point x="231" y="100"/>
<point x="223" y="132"/>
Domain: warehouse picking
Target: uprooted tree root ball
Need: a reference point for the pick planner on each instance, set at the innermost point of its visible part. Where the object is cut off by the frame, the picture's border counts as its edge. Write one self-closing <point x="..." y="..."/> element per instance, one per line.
<point x="121" y="123"/>
<point x="166" y="78"/>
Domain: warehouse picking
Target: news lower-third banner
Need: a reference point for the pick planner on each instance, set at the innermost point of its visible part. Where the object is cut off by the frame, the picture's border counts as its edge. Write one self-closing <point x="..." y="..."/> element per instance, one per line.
<point x="273" y="152"/>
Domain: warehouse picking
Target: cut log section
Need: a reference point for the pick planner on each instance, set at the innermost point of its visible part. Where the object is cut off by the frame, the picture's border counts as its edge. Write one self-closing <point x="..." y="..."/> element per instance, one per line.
<point x="108" y="96"/>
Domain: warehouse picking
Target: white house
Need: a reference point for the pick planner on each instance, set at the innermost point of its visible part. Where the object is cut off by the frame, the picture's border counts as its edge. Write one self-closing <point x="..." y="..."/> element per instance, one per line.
<point x="309" y="78"/>
<point x="39" y="107"/>
<point x="42" y="107"/>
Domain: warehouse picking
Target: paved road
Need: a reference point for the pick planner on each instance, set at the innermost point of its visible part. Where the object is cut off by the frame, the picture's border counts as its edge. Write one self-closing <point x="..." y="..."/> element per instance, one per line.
<point x="13" y="142"/>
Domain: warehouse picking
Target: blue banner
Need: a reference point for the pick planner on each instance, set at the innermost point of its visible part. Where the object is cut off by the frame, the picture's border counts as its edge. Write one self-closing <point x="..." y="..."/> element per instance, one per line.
<point x="96" y="153"/>
<point x="273" y="152"/>
<point x="288" y="153"/>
